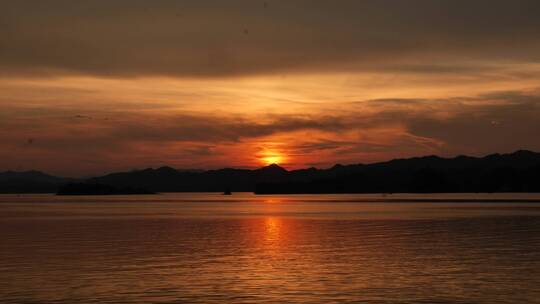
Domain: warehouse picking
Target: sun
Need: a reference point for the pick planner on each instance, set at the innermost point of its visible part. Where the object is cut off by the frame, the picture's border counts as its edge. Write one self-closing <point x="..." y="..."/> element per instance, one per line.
<point x="270" y="156"/>
<point x="272" y="159"/>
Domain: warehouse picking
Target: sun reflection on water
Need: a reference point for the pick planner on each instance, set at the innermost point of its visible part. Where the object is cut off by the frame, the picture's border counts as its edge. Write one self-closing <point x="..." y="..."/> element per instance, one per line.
<point x="272" y="229"/>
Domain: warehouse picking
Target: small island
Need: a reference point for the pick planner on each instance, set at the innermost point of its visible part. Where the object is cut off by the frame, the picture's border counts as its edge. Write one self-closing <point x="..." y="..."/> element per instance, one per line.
<point x="99" y="189"/>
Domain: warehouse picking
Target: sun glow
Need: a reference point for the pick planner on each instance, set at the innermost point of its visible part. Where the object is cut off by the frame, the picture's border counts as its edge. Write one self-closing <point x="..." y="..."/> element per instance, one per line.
<point x="271" y="156"/>
<point x="272" y="159"/>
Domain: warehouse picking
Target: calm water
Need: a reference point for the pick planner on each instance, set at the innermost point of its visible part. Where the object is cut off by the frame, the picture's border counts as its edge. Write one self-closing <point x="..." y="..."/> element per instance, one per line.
<point x="208" y="248"/>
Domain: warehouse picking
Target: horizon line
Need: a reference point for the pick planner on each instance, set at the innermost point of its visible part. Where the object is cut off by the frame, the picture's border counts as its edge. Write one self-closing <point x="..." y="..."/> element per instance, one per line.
<point x="274" y="164"/>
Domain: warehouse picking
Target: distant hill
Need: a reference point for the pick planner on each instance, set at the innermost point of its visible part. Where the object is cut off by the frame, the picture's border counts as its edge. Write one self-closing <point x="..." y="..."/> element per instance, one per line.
<point x="30" y="182"/>
<point x="514" y="172"/>
<point x="166" y="179"/>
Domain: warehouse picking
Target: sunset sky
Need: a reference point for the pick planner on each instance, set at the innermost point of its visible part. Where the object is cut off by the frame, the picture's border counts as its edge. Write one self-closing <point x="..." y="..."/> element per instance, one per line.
<point x="90" y="87"/>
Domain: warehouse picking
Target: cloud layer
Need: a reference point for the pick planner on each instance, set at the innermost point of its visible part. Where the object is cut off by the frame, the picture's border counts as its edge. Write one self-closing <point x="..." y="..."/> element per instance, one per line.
<point x="217" y="38"/>
<point x="370" y="130"/>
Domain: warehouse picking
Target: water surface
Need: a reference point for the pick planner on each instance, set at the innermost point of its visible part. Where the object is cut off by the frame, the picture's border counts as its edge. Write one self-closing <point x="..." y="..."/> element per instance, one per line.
<point x="209" y="248"/>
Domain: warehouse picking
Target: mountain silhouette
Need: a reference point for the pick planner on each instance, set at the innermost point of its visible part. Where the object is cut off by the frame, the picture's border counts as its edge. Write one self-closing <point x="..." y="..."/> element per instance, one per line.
<point x="514" y="172"/>
<point x="30" y="182"/>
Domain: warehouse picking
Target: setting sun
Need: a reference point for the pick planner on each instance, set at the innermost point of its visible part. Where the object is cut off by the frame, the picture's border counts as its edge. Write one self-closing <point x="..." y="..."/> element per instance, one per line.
<point x="269" y="157"/>
<point x="272" y="159"/>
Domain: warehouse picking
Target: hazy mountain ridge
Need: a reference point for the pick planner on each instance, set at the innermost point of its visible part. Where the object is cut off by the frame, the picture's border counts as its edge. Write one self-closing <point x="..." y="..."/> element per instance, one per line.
<point x="514" y="172"/>
<point x="31" y="182"/>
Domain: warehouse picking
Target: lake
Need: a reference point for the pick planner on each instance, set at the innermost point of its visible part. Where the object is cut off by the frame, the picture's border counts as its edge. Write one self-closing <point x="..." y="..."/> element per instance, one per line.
<point x="210" y="248"/>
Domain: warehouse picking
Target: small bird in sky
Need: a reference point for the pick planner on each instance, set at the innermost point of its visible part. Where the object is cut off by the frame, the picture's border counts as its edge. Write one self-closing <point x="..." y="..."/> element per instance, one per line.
<point x="83" y="116"/>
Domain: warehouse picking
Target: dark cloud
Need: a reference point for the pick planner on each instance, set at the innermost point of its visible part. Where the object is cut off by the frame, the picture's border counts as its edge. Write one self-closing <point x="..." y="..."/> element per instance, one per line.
<point x="200" y="150"/>
<point x="87" y="134"/>
<point x="318" y="145"/>
<point x="495" y="121"/>
<point x="208" y="38"/>
<point x="485" y="128"/>
<point x="221" y="129"/>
